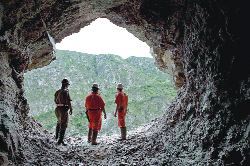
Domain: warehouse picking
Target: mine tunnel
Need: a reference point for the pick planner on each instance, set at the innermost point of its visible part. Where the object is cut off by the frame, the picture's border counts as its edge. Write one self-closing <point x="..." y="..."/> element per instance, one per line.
<point x="199" y="42"/>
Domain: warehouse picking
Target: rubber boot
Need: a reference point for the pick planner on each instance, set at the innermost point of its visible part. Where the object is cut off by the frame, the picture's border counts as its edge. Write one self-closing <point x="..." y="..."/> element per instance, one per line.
<point x="57" y="130"/>
<point x="90" y="135"/>
<point x="60" y="141"/>
<point x="123" y="133"/>
<point x="94" y="136"/>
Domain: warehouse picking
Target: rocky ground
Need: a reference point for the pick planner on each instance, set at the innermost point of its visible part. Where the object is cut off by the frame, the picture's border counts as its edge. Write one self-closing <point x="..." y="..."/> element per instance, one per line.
<point x="169" y="140"/>
<point x="141" y="148"/>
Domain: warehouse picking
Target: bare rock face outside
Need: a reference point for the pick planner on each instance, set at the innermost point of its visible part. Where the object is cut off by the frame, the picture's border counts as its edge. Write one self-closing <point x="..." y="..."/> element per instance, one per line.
<point x="199" y="42"/>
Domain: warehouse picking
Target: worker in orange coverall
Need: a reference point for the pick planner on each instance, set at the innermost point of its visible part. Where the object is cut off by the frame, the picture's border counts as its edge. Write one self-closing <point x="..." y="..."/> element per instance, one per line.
<point x="121" y="100"/>
<point x="94" y="105"/>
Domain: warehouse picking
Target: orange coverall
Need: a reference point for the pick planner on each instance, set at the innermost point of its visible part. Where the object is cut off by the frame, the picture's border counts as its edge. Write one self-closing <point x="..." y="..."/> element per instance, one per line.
<point x="94" y="105"/>
<point x="121" y="108"/>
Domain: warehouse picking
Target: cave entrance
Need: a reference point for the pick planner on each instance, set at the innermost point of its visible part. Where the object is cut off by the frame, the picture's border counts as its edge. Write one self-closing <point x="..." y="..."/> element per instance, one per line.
<point x="100" y="53"/>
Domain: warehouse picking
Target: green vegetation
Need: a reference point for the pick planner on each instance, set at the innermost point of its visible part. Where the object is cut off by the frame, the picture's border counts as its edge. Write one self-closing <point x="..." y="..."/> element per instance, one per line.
<point x="149" y="89"/>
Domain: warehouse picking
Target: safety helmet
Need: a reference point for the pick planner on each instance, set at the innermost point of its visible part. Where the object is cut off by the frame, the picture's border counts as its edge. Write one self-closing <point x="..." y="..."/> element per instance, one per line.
<point x="119" y="86"/>
<point x="65" y="81"/>
<point x="95" y="85"/>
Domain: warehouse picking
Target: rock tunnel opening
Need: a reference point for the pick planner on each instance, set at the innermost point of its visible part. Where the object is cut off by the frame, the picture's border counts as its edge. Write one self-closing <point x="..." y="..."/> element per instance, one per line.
<point x="199" y="41"/>
<point x="150" y="90"/>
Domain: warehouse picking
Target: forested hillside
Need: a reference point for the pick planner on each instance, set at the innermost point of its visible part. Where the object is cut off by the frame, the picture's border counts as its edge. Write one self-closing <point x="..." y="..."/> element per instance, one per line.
<point x="148" y="88"/>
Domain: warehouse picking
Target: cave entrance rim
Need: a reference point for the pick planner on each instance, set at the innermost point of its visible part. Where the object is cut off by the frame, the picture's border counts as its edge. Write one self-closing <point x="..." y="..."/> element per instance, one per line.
<point x="101" y="36"/>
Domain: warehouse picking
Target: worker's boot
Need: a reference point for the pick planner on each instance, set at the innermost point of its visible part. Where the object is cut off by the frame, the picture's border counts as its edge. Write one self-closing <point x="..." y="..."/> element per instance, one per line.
<point x="60" y="141"/>
<point x="94" y="136"/>
<point x="90" y="135"/>
<point x="57" y="130"/>
<point x="123" y="133"/>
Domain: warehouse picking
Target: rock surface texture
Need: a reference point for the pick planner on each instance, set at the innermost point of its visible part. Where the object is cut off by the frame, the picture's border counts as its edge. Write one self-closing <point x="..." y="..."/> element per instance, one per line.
<point x="198" y="41"/>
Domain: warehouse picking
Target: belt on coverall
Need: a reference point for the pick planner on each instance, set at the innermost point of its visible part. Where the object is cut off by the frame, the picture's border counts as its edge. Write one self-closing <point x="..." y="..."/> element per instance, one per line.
<point x="62" y="105"/>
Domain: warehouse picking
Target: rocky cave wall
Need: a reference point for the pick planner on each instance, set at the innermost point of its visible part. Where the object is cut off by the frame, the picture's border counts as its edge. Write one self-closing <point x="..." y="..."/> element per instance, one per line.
<point x="197" y="41"/>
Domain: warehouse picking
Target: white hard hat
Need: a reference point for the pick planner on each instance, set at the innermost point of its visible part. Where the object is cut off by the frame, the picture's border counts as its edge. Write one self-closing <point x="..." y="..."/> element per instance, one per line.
<point x="119" y="86"/>
<point x="95" y="85"/>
